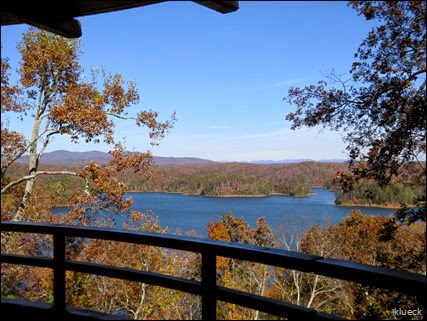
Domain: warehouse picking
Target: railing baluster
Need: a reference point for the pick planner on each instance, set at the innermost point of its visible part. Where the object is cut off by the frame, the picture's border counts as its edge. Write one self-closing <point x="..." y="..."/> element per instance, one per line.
<point x="208" y="284"/>
<point x="59" y="273"/>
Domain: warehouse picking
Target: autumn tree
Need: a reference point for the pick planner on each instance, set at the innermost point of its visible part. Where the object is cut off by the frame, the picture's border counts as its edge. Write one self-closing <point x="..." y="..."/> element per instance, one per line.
<point x="381" y="106"/>
<point x="360" y="238"/>
<point x="238" y="274"/>
<point x="58" y="96"/>
<point x="301" y="288"/>
<point x="54" y="90"/>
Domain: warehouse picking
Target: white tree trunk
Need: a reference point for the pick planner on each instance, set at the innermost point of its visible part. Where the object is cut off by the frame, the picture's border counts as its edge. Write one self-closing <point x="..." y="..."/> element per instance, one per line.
<point x="32" y="169"/>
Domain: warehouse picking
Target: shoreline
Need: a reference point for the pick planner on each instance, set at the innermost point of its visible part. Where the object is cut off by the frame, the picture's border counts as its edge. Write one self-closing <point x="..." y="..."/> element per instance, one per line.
<point x="226" y="195"/>
<point x="349" y="205"/>
<point x="389" y="206"/>
<point x="231" y="196"/>
<point x="392" y="207"/>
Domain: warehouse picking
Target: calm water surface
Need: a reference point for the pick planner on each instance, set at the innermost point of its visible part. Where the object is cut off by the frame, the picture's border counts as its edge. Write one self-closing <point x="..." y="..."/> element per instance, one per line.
<point x="194" y="212"/>
<point x="185" y="212"/>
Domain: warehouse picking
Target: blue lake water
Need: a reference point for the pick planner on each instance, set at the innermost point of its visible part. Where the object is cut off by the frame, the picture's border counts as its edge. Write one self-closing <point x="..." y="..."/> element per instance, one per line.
<point x="187" y="212"/>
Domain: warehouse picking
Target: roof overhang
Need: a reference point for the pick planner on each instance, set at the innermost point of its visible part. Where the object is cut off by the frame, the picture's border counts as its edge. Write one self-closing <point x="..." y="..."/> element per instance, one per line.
<point x="59" y="17"/>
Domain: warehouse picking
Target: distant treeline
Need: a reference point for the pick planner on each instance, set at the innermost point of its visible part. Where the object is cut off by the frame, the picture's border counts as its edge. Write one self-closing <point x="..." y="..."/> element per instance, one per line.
<point x="372" y="194"/>
<point x="240" y="178"/>
<point x="235" y="179"/>
<point x="220" y="184"/>
<point x="235" y="184"/>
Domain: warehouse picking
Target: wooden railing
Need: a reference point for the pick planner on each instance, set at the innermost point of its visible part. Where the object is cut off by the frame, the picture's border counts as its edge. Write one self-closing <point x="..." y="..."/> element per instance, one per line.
<point x="210" y="292"/>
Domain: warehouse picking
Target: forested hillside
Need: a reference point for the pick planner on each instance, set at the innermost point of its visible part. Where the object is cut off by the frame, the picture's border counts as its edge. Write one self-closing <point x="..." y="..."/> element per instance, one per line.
<point x="228" y="179"/>
<point x="234" y="93"/>
<point x="240" y="179"/>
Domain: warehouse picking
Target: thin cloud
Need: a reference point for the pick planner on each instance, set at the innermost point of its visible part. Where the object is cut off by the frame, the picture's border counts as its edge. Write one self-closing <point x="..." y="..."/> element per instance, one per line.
<point x="280" y="132"/>
<point x="219" y="127"/>
<point x="288" y="82"/>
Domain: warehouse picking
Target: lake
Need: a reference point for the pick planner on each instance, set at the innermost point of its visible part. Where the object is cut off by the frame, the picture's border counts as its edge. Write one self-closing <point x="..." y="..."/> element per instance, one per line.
<point x="188" y="212"/>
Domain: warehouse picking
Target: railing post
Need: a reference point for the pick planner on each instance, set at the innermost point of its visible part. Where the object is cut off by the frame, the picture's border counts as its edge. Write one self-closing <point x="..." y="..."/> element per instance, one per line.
<point x="208" y="284"/>
<point x="59" y="273"/>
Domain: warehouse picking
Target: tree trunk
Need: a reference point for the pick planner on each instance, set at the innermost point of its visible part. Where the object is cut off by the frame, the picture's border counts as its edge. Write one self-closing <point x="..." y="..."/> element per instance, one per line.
<point x="32" y="169"/>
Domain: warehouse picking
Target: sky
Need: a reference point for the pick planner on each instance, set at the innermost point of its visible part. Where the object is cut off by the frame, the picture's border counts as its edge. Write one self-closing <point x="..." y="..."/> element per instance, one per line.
<point x="225" y="75"/>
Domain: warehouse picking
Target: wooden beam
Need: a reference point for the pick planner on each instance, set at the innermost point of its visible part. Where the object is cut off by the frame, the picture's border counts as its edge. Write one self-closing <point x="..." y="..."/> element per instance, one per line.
<point x="220" y="6"/>
<point x="63" y="26"/>
<point x="59" y="18"/>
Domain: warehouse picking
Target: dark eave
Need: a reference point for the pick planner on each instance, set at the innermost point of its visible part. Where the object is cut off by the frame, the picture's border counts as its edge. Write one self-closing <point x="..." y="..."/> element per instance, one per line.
<point x="59" y="17"/>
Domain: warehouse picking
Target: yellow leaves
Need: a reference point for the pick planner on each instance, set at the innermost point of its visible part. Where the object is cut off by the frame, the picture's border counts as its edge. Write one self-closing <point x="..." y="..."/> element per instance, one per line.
<point x="240" y="274"/>
<point x="263" y="235"/>
<point x="12" y="146"/>
<point x="115" y="94"/>
<point x="81" y="113"/>
<point x="78" y="108"/>
<point x="139" y="162"/>
<point x="150" y="301"/>
<point x="231" y="229"/>
<point x="10" y="95"/>
<point x="158" y="129"/>
<point x="82" y="109"/>
<point x="358" y="238"/>
<point x="104" y="183"/>
<point x="361" y="166"/>
<point x="48" y="59"/>
<point x="136" y="216"/>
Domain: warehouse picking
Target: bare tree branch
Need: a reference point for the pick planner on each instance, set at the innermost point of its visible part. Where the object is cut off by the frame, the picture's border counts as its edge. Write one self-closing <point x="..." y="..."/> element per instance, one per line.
<point x="28" y="177"/>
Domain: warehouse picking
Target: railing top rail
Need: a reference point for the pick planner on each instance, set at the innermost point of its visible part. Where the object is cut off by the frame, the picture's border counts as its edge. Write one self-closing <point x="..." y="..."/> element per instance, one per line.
<point x="405" y="282"/>
<point x="186" y="243"/>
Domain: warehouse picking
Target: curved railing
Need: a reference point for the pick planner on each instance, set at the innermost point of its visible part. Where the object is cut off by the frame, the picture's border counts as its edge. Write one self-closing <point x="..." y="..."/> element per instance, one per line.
<point x="210" y="292"/>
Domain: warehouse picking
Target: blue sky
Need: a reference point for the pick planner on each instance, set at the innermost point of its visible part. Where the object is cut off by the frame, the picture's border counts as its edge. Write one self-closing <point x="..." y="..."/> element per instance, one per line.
<point x="224" y="75"/>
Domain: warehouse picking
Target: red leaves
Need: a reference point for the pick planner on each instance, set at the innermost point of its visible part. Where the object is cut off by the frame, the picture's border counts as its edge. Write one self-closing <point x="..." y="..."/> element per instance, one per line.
<point x="217" y="231"/>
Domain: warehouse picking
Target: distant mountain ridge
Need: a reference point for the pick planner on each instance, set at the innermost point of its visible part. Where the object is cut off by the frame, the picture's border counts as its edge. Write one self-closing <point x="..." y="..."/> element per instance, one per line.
<point x="68" y="157"/>
<point x="288" y="161"/>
